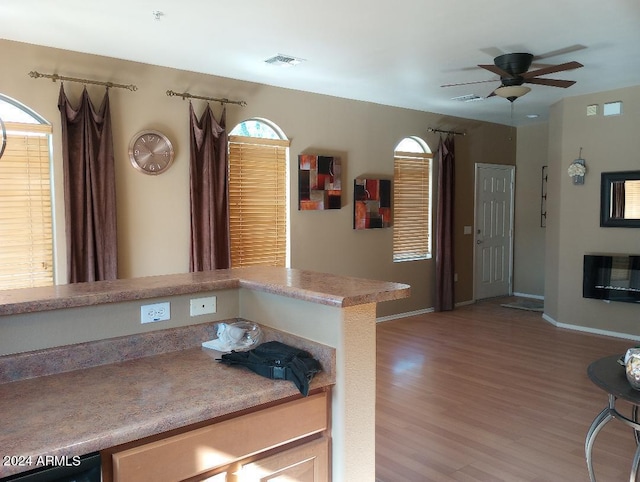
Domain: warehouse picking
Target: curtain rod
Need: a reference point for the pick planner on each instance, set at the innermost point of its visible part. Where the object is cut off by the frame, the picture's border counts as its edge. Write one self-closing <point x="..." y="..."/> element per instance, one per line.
<point x="431" y="129"/>
<point x="55" y="77"/>
<point x="187" y="95"/>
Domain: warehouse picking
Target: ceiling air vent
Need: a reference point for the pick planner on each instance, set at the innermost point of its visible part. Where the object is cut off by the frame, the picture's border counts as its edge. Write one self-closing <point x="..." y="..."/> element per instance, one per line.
<point x="468" y="98"/>
<point x="284" y="60"/>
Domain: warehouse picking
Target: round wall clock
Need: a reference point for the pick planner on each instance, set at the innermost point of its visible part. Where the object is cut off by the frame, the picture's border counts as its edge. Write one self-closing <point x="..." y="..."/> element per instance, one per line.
<point x="151" y="152"/>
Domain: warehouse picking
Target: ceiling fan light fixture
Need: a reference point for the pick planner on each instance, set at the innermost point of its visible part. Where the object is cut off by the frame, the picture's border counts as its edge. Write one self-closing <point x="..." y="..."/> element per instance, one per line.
<point x="512" y="92"/>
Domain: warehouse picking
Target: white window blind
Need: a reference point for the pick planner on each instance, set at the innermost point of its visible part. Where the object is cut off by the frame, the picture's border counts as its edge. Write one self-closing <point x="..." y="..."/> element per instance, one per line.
<point x="411" y="209"/>
<point x="26" y="244"/>
<point x="258" y="201"/>
<point x="632" y="199"/>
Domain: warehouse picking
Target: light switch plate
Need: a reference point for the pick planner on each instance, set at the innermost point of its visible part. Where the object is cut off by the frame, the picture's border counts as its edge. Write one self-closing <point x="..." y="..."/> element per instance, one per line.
<point x="202" y="306"/>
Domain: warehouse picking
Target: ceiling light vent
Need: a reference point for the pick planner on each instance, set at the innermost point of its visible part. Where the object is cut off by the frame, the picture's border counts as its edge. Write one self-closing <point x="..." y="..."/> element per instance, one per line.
<point x="468" y="98"/>
<point x="284" y="60"/>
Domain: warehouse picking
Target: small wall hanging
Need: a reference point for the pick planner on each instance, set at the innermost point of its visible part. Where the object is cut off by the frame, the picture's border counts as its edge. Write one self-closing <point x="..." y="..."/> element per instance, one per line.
<point x="371" y="203"/>
<point x="319" y="182"/>
<point x="543" y="198"/>
<point x="577" y="169"/>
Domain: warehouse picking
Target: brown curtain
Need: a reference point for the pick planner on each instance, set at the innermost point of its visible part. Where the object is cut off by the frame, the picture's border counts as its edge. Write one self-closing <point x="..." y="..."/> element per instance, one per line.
<point x="209" y="192"/>
<point x="444" y="226"/>
<point x="90" y="189"/>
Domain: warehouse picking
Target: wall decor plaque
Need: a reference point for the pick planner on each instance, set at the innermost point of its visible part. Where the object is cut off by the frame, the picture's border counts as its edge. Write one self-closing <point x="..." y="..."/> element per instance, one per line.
<point x="319" y="182"/>
<point x="371" y="203"/>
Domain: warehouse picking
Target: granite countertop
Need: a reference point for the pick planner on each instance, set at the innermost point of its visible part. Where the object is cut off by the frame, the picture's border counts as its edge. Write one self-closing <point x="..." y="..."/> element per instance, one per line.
<point x="89" y="409"/>
<point x="322" y="288"/>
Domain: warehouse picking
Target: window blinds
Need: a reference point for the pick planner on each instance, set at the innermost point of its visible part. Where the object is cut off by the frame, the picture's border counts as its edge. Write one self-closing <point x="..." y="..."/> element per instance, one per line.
<point x="411" y="211"/>
<point x="26" y="244"/>
<point x="632" y="199"/>
<point x="257" y="201"/>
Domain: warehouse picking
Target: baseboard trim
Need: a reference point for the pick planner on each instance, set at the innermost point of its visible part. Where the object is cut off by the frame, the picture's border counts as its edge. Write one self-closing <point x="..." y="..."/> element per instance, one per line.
<point x="382" y="319"/>
<point x="527" y="295"/>
<point x="547" y="318"/>
<point x="593" y="331"/>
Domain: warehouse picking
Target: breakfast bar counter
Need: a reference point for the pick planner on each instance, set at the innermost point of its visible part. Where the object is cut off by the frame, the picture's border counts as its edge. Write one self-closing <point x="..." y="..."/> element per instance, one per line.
<point x="322" y="288"/>
<point x="87" y="407"/>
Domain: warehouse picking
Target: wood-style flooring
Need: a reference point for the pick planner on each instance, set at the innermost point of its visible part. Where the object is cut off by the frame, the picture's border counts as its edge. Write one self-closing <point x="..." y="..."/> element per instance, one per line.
<point x="487" y="393"/>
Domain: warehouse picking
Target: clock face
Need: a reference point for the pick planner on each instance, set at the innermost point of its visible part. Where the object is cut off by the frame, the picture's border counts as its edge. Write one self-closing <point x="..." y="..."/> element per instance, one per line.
<point x="151" y="152"/>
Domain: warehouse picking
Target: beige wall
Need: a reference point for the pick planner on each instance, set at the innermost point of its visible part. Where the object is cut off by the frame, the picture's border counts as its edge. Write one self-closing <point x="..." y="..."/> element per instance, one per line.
<point x="529" y="236"/>
<point x="153" y="211"/>
<point x="47" y="329"/>
<point x="608" y="144"/>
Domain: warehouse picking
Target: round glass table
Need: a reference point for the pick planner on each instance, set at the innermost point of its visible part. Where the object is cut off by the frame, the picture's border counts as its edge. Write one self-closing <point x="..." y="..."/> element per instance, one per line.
<point x="610" y="376"/>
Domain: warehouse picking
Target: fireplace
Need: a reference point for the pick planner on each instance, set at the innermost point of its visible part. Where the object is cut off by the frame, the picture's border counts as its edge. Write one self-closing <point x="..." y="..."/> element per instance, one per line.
<point x="612" y="277"/>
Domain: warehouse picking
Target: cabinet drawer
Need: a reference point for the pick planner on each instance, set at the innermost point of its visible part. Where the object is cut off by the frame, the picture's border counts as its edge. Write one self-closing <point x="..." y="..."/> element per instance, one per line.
<point x="185" y="455"/>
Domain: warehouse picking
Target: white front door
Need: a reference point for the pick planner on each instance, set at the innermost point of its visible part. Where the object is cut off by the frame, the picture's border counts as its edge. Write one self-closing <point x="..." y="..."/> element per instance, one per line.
<point x="493" y="230"/>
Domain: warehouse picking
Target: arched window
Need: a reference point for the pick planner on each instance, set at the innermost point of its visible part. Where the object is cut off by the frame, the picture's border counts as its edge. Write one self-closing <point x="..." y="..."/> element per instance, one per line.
<point x="258" y="194"/>
<point x="412" y="200"/>
<point x="26" y="233"/>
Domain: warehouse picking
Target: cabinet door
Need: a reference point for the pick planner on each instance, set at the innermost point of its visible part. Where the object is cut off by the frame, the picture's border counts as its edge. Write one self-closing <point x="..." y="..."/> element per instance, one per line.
<point x="203" y="450"/>
<point x="306" y="463"/>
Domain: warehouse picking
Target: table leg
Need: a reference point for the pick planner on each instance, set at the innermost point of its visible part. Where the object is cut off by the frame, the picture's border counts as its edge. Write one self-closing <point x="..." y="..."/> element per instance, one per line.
<point x="634" y="417"/>
<point x="634" y="465"/>
<point x="597" y="424"/>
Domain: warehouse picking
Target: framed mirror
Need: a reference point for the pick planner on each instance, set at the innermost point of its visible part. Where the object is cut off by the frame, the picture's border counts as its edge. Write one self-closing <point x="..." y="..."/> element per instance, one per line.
<point x="620" y="199"/>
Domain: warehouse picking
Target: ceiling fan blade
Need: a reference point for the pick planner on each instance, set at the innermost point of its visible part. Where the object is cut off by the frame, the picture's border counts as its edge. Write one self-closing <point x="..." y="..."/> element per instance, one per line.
<point x="469" y="83"/>
<point x="496" y="70"/>
<point x="552" y="69"/>
<point x="563" y="51"/>
<point x="551" y="82"/>
<point x="492" y="52"/>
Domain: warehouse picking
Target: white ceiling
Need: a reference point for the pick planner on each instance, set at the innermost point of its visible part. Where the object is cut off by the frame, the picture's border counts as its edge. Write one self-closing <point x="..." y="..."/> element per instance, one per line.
<point x="395" y="53"/>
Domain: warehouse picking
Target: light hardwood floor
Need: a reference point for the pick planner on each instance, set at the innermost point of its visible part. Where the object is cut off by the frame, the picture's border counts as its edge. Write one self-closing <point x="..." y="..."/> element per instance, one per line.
<point x="487" y="393"/>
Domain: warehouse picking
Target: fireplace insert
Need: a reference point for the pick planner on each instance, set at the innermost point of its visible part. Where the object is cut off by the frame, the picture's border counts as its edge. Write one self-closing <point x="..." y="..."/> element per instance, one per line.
<point x="613" y="277"/>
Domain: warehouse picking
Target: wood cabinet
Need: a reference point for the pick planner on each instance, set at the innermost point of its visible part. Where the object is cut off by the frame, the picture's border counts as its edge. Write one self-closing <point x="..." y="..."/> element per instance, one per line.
<point x="305" y="463"/>
<point x="285" y="440"/>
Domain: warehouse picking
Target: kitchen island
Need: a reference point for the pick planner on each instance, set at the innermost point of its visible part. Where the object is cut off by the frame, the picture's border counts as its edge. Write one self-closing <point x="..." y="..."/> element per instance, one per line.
<point x="330" y="310"/>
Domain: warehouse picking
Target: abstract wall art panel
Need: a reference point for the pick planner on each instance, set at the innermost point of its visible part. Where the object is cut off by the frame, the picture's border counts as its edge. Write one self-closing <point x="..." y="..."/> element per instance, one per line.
<point x="319" y="182"/>
<point x="371" y="203"/>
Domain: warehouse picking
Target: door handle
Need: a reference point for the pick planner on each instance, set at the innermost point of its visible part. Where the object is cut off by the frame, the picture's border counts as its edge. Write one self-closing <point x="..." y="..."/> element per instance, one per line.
<point x="478" y="242"/>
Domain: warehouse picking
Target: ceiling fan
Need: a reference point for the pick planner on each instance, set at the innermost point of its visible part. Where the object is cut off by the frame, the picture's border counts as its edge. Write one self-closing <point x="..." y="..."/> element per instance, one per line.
<point x="513" y="70"/>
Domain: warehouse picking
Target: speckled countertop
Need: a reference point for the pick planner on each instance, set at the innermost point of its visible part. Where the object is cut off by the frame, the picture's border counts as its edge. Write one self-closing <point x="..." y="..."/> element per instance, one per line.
<point x="89" y="409"/>
<point x="323" y="288"/>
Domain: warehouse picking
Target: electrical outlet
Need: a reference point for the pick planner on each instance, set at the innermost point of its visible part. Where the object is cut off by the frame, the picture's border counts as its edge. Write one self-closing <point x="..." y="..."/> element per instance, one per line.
<point x="202" y="306"/>
<point x="155" y="312"/>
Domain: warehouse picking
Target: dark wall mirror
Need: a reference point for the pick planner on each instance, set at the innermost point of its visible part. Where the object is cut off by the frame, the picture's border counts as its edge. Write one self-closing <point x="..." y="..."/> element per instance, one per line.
<point x="620" y="199"/>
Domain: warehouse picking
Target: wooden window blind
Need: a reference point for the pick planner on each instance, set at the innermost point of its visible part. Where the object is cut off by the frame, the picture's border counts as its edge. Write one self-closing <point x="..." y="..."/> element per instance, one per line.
<point x="26" y="241"/>
<point x="258" y="201"/>
<point x="412" y="206"/>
